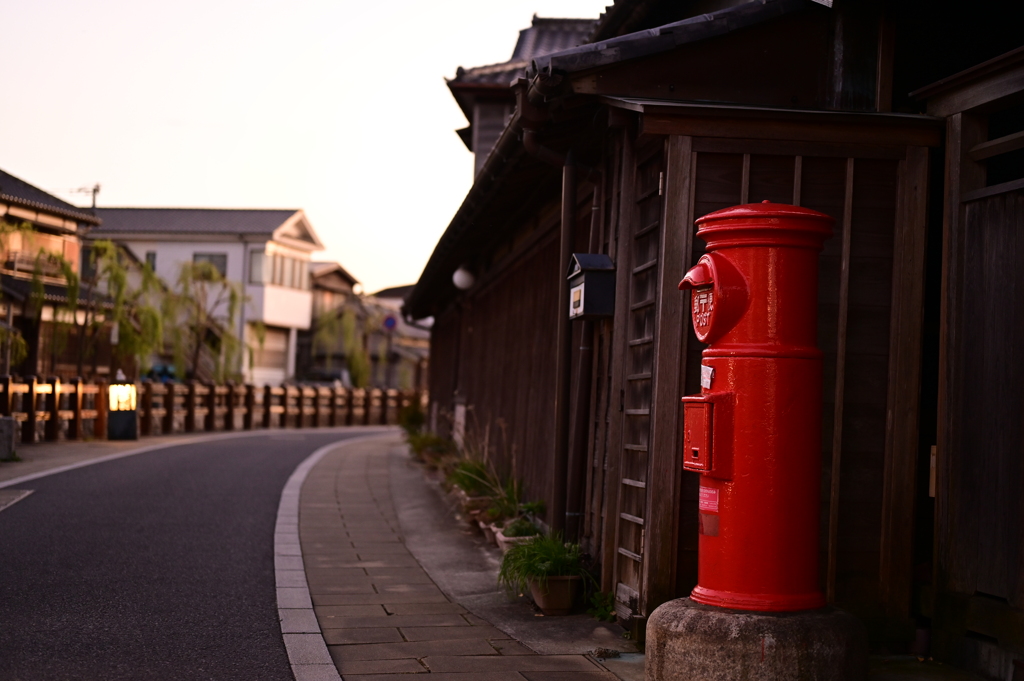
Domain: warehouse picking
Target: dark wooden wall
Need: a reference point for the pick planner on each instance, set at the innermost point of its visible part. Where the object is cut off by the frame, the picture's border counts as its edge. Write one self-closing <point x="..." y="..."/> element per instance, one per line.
<point x="868" y="460"/>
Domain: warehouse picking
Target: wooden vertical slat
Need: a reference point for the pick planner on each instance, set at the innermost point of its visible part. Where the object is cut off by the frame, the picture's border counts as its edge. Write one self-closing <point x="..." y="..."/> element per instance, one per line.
<point x="661" y="521"/>
<point x="798" y="172"/>
<point x="904" y="385"/>
<point x="268" y="401"/>
<point x="963" y="131"/>
<point x="609" y="540"/>
<point x="170" y="402"/>
<point x="146" y="422"/>
<point x="28" y="427"/>
<point x="75" y="427"/>
<point x="250" y="407"/>
<point x="837" y="428"/>
<point x="52" y="427"/>
<point x="101" y="404"/>
<point x="745" y="180"/>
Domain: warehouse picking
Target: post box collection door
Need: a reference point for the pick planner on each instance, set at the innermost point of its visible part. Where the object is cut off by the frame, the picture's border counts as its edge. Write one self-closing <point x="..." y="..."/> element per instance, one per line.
<point x="753" y="433"/>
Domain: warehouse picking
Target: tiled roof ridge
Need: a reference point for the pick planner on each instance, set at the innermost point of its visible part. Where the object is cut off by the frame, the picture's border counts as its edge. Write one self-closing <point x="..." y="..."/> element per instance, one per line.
<point x="264" y="210"/>
<point x="45" y="207"/>
<point x="487" y="69"/>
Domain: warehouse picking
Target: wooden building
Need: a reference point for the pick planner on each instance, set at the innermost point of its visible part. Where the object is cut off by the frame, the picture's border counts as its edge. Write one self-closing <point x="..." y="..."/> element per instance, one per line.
<point x="34" y="304"/>
<point x="672" y="110"/>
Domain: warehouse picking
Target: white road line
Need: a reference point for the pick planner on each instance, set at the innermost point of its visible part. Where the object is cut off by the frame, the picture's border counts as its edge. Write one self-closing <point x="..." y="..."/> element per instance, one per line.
<point x="13" y="496"/>
<point x="303" y="639"/>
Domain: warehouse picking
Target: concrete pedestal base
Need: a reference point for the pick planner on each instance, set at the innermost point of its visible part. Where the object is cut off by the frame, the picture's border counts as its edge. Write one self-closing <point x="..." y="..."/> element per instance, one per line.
<point x="687" y="641"/>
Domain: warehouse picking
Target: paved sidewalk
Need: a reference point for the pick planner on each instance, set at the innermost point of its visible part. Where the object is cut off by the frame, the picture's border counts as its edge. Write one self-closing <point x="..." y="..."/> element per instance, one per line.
<point x="381" y="614"/>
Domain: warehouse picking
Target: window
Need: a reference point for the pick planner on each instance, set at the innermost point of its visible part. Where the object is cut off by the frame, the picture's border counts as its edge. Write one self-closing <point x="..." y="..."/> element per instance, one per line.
<point x="278" y="270"/>
<point x="289" y="272"/>
<point x="256" y="273"/>
<point x="218" y="260"/>
<point x="151" y="260"/>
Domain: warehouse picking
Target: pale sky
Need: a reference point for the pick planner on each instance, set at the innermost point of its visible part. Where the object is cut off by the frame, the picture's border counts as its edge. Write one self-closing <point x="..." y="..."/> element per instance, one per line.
<point x="336" y="107"/>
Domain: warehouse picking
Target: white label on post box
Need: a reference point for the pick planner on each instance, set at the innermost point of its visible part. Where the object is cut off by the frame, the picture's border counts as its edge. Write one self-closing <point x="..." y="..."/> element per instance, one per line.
<point x="708" y="499"/>
<point x="576" y="301"/>
<point x="706" y="374"/>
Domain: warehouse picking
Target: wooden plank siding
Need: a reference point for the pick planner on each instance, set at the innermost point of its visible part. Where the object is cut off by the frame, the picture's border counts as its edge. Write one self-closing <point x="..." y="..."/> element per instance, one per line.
<point x="664" y="488"/>
<point x="640" y="512"/>
<point x="869" y="429"/>
<point x="637" y="353"/>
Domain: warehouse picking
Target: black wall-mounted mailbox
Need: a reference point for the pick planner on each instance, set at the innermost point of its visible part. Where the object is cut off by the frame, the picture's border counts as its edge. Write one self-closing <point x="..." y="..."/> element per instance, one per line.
<point x="591" y="286"/>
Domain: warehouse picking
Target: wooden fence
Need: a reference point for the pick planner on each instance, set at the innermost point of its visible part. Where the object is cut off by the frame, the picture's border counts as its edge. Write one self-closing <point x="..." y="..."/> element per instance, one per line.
<point x="53" y="410"/>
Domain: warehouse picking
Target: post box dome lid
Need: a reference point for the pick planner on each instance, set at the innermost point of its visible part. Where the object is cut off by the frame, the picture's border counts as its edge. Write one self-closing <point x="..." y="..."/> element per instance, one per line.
<point x="765" y="209"/>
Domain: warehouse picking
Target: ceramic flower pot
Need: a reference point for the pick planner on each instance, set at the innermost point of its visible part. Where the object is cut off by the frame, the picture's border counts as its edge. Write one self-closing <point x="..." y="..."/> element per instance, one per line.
<point x="555" y="595"/>
<point x="488" y="530"/>
<point x="505" y="543"/>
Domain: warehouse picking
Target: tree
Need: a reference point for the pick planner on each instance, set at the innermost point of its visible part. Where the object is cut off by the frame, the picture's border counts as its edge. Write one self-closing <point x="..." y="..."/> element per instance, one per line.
<point x="203" y="312"/>
<point x="355" y="351"/>
<point x="15" y="347"/>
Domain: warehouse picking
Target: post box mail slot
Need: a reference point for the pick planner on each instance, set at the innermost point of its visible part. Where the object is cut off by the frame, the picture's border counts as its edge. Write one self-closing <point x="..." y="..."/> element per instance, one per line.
<point x="591" y="286"/>
<point x="697" y="430"/>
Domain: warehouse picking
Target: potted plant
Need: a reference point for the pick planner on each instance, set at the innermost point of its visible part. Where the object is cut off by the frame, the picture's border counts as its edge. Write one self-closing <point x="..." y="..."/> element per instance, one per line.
<point x="473" y="486"/>
<point x="551" y="569"/>
<point x="519" y="531"/>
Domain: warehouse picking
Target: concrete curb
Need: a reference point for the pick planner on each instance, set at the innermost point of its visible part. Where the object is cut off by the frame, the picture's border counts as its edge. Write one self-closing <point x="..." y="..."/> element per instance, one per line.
<point x="307" y="650"/>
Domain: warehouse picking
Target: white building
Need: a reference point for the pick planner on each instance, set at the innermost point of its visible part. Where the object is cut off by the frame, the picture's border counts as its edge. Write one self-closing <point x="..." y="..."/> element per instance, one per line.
<point x="266" y="250"/>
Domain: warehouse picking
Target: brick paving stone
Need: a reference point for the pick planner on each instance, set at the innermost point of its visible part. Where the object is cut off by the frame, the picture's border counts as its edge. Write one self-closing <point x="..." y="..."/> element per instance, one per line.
<point x="380" y="613"/>
<point x="351" y="611"/>
<point x="413" y="573"/>
<point x="511" y="648"/>
<point x="517" y="663"/>
<point x="369" y="539"/>
<point x="314" y="574"/>
<point x="393" y="621"/>
<point x="348" y="588"/>
<point x="384" y="598"/>
<point x="423" y="608"/>
<point x="570" y="676"/>
<point x="448" y="634"/>
<point x="337" y="637"/>
<point x="408" y="588"/>
<point x="374" y="550"/>
<point x="413" y="649"/>
<point x="476" y="676"/>
<point x="417" y="577"/>
<point x="403" y="667"/>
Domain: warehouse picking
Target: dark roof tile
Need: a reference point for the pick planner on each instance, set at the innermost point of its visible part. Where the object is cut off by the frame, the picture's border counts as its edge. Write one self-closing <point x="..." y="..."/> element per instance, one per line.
<point x="191" y="220"/>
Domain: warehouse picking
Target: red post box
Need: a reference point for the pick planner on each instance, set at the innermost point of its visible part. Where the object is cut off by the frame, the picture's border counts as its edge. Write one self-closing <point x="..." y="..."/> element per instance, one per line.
<point x="754" y="432"/>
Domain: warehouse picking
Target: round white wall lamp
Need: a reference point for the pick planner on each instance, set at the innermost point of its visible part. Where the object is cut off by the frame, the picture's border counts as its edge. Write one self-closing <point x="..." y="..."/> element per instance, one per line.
<point x="463" y="279"/>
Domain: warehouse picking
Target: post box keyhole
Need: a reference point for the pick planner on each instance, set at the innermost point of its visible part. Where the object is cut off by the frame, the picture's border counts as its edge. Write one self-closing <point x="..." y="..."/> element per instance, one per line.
<point x="695" y="453"/>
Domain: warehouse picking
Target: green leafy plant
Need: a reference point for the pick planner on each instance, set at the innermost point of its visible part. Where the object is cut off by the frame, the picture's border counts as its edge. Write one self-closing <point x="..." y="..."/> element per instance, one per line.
<point x="602" y="606"/>
<point x="533" y="509"/>
<point x="205" y="306"/>
<point x="474" y="477"/>
<point x="432" y="449"/>
<point x="542" y="557"/>
<point x="520" y="527"/>
<point x="411" y="419"/>
<point x="506" y="500"/>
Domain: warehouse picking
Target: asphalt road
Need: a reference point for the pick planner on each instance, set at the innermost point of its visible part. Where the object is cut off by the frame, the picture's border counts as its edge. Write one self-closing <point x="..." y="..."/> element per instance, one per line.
<point x="155" y="566"/>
